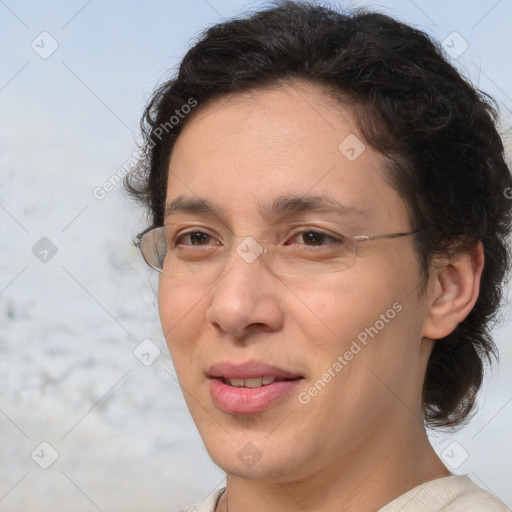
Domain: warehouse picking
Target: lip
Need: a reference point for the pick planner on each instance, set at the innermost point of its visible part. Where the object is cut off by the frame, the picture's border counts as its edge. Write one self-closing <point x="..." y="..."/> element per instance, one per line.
<point x="248" y="369"/>
<point x="242" y="400"/>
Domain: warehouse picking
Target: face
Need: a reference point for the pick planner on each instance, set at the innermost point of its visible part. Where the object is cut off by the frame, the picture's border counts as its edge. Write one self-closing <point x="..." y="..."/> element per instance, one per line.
<point x="344" y="347"/>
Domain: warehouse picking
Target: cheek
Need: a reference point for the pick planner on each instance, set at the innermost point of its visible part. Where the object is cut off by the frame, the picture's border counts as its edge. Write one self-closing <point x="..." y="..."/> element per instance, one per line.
<point x="182" y="312"/>
<point x="336" y="310"/>
<point x="364" y="359"/>
<point x="371" y="312"/>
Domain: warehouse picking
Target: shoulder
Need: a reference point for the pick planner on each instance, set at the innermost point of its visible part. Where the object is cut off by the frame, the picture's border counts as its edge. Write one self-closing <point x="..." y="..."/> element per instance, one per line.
<point x="448" y="494"/>
<point x="474" y="498"/>
<point x="207" y="505"/>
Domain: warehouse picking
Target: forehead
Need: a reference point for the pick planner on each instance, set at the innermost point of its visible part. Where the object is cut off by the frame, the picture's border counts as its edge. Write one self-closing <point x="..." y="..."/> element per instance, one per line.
<point x="244" y="150"/>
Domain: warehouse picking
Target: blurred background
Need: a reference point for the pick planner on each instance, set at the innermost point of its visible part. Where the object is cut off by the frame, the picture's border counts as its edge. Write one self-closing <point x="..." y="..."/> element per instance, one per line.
<point x="91" y="416"/>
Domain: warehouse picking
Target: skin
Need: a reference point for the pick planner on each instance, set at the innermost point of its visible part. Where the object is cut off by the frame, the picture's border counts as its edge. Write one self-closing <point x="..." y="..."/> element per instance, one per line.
<point x="360" y="442"/>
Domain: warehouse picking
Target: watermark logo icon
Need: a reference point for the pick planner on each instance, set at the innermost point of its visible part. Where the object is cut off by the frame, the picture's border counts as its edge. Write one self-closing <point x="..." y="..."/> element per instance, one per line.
<point x="44" y="455"/>
<point x="455" y="45"/>
<point x="352" y="147"/>
<point x="44" y="45"/>
<point x="147" y="352"/>
<point x="249" y="249"/>
<point x="454" y="455"/>
<point x="44" y="250"/>
<point x="249" y="454"/>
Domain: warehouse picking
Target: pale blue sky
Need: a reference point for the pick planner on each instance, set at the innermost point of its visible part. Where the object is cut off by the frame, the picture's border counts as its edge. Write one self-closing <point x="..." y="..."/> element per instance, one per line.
<point x="120" y="49"/>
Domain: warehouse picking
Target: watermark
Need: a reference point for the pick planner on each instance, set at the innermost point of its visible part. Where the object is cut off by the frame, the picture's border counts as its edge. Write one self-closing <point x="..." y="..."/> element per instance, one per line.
<point x="117" y="177"/>
<point x="454" y="455"/>
<point x="44" y="45"/>
<point x="174" y="120"/>
<point x="352" y="147"/>
<point x="304" y="397"/>
<point x="249" y="249"/>
<point x="44" y="455"/>
<point x="44" y="250"/>
<point x="508" y="193"/>
<point x="455" y="45"/>
<point x="249" y="454"/>
<point x="147" y="352"/>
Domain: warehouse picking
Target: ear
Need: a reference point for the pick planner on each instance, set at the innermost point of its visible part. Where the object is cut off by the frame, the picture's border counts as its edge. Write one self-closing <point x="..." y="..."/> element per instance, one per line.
<point x="453" y="289"/>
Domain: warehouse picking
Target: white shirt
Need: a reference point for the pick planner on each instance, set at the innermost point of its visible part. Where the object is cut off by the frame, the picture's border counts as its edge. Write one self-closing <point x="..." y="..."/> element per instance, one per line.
<point x="448" y="494"/>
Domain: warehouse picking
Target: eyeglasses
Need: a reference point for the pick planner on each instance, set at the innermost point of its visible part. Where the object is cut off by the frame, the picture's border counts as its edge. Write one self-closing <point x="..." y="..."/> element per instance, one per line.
<point x="307" y="249"/>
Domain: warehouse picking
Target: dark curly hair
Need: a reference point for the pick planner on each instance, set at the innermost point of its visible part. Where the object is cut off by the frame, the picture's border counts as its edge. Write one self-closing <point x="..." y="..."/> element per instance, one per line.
<point x="439" y="133"/>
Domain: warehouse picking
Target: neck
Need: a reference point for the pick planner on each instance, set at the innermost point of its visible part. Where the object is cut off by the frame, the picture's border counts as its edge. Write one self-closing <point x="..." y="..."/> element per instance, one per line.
<point x="364" y="480"/>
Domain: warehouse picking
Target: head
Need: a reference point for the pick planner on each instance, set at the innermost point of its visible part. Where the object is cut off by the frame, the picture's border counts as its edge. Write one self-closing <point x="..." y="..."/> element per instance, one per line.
<point x="271" y="121"/>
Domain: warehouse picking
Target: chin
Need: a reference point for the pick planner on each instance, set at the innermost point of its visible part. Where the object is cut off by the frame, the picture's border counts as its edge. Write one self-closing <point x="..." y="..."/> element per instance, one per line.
<point x="253" y="457"/>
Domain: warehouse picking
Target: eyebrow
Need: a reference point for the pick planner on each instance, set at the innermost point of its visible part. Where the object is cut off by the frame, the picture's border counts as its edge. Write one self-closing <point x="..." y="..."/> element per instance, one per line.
<point x="280" y="207"/>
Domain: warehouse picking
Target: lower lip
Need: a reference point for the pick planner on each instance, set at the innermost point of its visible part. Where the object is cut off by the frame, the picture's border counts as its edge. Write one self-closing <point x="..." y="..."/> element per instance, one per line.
<point x="249" y="400"/>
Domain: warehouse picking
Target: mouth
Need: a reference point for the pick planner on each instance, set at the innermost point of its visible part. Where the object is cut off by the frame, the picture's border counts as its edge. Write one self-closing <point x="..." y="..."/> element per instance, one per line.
<point x="254" y="382"/>
<point x="251" y="387"/>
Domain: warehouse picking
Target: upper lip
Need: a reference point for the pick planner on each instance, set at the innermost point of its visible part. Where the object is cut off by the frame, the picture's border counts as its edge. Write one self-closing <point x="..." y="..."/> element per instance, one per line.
<point x="249" y="369"/>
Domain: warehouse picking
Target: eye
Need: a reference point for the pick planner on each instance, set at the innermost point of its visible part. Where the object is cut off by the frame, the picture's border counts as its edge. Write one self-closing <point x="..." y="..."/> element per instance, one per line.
<point x="196" y="238"/>
<point x="315" y="238"/>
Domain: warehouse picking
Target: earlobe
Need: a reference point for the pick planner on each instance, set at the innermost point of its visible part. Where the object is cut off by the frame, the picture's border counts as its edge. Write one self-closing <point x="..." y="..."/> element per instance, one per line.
<point x="454" y="290"/>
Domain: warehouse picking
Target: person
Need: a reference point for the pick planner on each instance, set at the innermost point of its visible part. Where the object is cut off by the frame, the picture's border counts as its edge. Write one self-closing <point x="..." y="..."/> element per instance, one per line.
<point x="329" y="219"/>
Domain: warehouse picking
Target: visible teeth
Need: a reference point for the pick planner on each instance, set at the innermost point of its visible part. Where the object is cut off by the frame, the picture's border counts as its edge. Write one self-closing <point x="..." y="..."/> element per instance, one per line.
<point x="253" y="382"/>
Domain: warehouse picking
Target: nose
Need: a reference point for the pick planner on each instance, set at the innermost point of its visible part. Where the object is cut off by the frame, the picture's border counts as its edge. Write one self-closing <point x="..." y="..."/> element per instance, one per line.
<point x="246" y="298"/>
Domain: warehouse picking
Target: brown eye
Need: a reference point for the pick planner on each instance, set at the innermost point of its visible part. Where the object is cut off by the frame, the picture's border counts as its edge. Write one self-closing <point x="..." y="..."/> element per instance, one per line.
<point x="314" y="238"/>
<point x="194" y="238"/>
